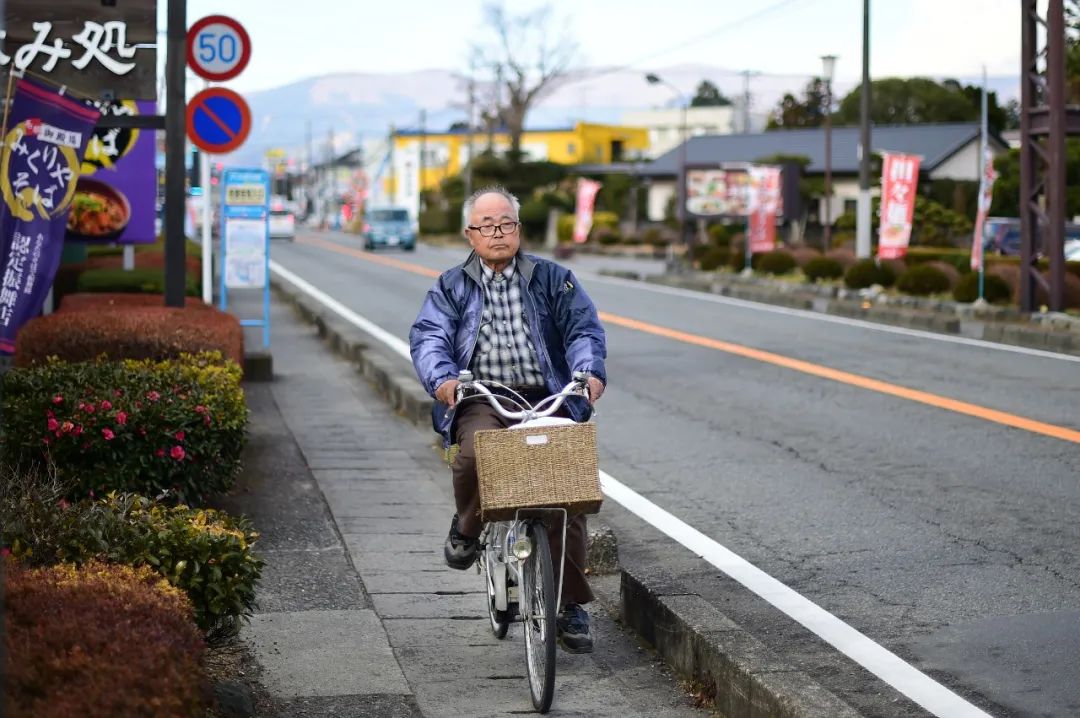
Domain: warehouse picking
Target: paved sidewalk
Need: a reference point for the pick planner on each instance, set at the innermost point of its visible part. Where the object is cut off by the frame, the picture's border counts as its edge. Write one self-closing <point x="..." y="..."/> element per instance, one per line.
<point x="359" y="616"/>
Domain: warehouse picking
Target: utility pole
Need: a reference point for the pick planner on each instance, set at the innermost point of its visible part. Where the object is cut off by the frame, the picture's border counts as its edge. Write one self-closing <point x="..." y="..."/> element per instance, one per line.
<point x="469" y="123"/>
<point x="863" y="218"/>
<point x="393" y="167"/>
<point x="421" y="164"/>
<point x="746" y="75"/>
<point x="310" y="174"/>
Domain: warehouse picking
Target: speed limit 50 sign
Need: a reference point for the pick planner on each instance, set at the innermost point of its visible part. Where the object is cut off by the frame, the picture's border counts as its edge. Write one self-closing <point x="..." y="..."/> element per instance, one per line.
<point x="218" y="48"/>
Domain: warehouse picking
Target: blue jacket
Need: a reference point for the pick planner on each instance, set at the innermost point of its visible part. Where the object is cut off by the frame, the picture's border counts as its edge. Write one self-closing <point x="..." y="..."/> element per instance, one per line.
<point x="563" y="326"/>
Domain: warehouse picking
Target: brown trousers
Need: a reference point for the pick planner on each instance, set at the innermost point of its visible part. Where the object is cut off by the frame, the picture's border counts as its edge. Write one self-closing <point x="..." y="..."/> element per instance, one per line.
<point x="475" y="415"/>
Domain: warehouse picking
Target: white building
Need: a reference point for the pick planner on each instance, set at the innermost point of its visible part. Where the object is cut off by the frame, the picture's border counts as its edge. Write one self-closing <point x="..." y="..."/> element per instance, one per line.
<point x="666" y="130"/>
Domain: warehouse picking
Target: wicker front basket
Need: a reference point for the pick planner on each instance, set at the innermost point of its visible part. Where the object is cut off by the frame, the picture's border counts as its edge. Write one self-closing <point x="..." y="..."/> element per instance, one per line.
<point x="549" y="466"/>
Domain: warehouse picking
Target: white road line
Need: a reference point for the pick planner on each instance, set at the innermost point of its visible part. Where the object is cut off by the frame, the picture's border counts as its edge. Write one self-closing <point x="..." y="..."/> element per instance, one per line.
<point x="807" y="314"/>
<point x="877" y="659"/>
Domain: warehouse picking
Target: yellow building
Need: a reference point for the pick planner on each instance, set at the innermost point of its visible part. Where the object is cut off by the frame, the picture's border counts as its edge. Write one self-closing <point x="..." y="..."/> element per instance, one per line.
<point x="446" y="153"/>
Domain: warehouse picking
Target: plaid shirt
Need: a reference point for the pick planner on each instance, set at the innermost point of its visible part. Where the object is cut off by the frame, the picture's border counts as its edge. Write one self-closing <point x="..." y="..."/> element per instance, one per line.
<point x="504" y="351"/>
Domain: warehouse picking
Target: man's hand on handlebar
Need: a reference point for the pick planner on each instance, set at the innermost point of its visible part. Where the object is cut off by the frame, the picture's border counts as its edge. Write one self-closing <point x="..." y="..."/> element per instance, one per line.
<point x="447" y="392"/>
<point x="596" y="389"/>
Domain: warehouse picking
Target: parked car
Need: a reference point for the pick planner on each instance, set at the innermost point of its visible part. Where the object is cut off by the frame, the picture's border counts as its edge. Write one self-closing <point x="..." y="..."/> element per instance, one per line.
<point x="1002" y="235"/>
<point x="282" y="220"/>
<point x="389" y="227"/>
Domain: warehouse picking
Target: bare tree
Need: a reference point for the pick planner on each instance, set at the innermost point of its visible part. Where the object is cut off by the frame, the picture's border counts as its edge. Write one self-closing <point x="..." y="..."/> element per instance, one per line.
<point x="528" y="57"/>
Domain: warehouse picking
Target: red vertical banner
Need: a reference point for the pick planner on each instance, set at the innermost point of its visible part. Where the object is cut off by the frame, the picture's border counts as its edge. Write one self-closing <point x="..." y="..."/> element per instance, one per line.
<point x="583" y="212"/>
<point x="986" y="195"/>
<point x="899" y="180"/>
<point x="763" y="207"/>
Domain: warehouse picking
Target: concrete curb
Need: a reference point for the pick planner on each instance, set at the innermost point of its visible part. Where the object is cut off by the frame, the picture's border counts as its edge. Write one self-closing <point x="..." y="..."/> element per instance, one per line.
<point x="697" y="640"/>
<point x="744" y="678"/>
<point x="1048" y="333"/>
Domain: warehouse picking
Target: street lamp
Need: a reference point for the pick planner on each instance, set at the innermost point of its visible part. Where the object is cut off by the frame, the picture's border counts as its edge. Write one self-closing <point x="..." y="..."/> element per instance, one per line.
<point x="828" y="65"/>
<point x="684" y="139"/>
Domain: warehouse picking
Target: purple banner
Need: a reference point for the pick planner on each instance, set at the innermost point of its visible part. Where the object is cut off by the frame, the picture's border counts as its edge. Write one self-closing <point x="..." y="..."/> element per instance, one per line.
<point x="120" y="163"/>
<point x="39" y="168"/>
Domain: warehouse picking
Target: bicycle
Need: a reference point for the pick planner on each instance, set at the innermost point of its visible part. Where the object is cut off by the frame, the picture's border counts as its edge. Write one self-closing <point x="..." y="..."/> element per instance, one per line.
<point x="515" y="555"/>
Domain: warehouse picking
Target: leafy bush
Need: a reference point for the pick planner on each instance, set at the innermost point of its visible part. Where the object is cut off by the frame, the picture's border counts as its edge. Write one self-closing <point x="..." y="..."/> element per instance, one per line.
<point x="951" y="273"/>
<point x="565" y="228"/>
<point x="147" y="281"/>
<point x="606" y="236"/>
<point x="713" y="258"/>
<point x="823" y="268"/>
<point x="137" y="426"/>
<point x="959" y="259"/>
<point x="922" y="279"/>
<point x="778" y="261"/>
<point x="844" y="255"/>
<point x="606" y="220"/>
<point x="721" y="234"/>
<point x="534" y="217"/>
<point x="654" y="236"/>
<point x="866" y="272"/>
<point x="129" y="333"/>
<point x="803" y="255"/>
<point x="1071" y="291"/>
<point x="105" y="301"/>
<point x="995" y="289"/>
<point x="205" y="553"/>
<point x="100" y="641"/>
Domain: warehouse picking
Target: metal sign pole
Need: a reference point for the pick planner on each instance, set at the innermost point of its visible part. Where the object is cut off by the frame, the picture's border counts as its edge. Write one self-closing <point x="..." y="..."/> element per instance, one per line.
<point x="175" y="134"/>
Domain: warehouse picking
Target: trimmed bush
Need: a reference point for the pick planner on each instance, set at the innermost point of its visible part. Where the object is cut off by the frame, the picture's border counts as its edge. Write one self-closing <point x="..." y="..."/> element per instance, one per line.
<point x="950" y="271"/>
<point x="922" y="280"/>
<point x="146" y="281"/>
<point x="995" y="289"/>
<point x="778" y="261"/>
<point x="1010" y="274"/>
<point x="106" y="301"/>
<point x="713" y="258"/>
<point x="605" y="220"/>
<point x="896" y="266"/>
<point x="866" y="273"/>
<point x="803" y="255"/>
<point x="720" y="234"/>
<point x="140" y="426"/>
<point x="606" y="236"/>
<point x="1072" y="291"/>
<point x="132" y="332"/>
<point x="843" y="255"/>
<point x="100" y="641"/>
<point x="823" y="268"/>
<point x="206" y="553"/>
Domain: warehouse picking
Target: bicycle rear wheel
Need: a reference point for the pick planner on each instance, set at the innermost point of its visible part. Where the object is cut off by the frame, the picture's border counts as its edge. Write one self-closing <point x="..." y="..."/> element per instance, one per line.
<point x="537" y="600"/>
<point x="495" y="570"/>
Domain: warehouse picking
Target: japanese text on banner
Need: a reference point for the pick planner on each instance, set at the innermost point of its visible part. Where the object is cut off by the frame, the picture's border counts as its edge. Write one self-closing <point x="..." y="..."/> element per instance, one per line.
<point x="899" y="180"/>
<point x="764" y="205"/>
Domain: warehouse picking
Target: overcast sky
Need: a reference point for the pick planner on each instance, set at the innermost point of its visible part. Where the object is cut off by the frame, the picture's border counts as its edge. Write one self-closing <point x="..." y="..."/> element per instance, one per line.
<point x="293" y="40"/>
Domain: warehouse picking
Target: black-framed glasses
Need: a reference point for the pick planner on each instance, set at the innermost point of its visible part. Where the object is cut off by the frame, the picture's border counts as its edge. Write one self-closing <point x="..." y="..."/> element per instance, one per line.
<point x="488" y="230"/>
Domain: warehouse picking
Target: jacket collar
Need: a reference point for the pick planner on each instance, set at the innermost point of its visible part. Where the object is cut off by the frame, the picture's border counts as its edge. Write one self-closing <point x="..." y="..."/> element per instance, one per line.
<point x="472" y="267"/>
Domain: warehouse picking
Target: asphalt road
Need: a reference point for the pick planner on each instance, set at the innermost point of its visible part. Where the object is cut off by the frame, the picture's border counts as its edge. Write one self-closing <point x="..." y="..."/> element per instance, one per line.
<point x="950" y="539"/>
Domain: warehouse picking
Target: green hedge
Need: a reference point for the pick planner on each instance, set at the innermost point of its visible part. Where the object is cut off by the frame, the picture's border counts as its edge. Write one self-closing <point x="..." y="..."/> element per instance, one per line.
<point x="777" y="262"/>
<point x="995" y="289"/>
<point x="823" y="268"/>
<point x="923" y="280"/>
<point x="146" y="281"/>
<point x="175" y="426"/>
<point x="866" y="272"/>
<point x="206" y="553"/>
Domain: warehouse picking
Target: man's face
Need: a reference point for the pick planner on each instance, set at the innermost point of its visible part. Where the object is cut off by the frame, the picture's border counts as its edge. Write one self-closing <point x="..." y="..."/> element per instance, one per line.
<point x="492" y="210"/>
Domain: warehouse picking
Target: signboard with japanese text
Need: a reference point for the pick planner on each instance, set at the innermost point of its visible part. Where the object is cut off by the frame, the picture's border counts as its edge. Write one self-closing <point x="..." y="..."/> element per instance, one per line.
<point x="899" y="180"/>
<point x="120" y="163"/>
<point x="764" y="207"/>
<point x="583" y="210"/>
<point x="40" y="162"/>
<point x="105" y="51"/>
<point x="713" y="192"/>
<point x="986" y="196"/>
<point x="246" y="234"/>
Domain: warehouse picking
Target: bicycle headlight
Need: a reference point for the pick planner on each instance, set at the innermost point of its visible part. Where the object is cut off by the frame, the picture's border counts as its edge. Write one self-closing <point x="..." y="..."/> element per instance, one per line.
<point x="522" y="548"/>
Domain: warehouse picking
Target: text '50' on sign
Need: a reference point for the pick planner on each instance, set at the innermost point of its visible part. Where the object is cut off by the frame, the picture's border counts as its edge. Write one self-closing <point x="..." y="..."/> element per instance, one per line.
<point x="218" y="48"/>
<point x="246" y="195"/>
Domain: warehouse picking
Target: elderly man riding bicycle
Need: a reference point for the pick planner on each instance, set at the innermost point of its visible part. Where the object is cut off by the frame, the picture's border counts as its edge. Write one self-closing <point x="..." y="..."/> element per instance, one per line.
<point x="524" y="322"/>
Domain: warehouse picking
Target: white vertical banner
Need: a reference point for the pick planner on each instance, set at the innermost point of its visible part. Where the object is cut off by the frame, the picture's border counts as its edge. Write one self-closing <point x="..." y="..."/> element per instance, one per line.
<point x="986" y="196"/>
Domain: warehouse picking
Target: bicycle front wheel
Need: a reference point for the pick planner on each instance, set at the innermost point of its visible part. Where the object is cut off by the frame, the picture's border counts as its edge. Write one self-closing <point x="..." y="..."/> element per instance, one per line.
<point x="537" y="600"/>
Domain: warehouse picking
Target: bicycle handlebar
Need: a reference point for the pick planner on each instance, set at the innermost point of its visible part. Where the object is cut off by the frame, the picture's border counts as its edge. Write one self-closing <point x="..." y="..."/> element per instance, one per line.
<point x="578" y="386"/>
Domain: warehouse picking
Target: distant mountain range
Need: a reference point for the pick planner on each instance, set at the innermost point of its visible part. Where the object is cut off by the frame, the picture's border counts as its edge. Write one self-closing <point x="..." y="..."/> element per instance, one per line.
<point x="350" y="110"/>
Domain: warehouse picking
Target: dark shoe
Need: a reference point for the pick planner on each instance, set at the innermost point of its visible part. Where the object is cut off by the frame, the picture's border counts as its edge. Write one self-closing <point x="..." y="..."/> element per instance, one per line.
<point x="459" y="550"/>
<point x="573" y="625"/>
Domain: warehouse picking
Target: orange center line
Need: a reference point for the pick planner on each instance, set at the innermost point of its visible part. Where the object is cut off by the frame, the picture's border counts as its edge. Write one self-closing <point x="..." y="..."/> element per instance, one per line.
<point x="805" y="367"/>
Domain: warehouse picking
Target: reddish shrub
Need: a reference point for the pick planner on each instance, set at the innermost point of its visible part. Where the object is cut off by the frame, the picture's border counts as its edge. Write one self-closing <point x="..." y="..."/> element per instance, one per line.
<point x="143" y="260"/>
<point x="100" y="641"/>
<point x="843" y="255"/>
<point x="803" y="255"/>
<point x="1072" y="291"/>
<point x="95" y="301"/>
<point x="1010" y="273"/>
<point x="129" y="333"/>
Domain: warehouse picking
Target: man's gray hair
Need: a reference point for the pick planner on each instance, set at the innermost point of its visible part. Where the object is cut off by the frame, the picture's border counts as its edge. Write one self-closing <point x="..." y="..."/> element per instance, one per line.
<point x="467" y="208"/>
